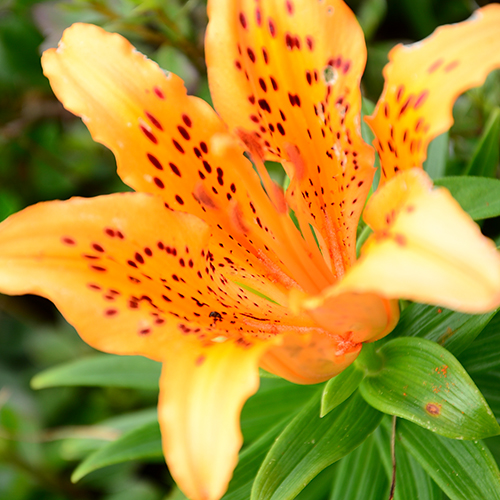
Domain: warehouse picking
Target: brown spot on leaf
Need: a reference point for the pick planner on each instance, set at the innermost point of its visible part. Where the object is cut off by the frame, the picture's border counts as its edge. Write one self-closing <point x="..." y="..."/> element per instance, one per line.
<point x="433" y="409"/>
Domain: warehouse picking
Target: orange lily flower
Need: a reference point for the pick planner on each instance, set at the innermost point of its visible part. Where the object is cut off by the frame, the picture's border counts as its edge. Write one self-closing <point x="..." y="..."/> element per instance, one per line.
<point x="202" y="268"/>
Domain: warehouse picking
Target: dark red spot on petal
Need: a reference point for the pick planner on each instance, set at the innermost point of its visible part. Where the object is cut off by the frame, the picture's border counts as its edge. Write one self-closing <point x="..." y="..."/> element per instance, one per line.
<point x="421" y="99"/>
<point x="68" y="241"/>
<point x="154" y="161"/>
<point x="111" y="312"/>
<point x="243" y="20"/>
<point x="149" y="134"/>
<point x="175" y="169"/>
<point x="154" y="121"/>
<point x="264" y="105"/>
<point x="178" y="146"/>
<point x="184" y="132"/>
<point x="258" y="17"/>
<point x="251" y="54"/>
<point x="159" y="183"/>
<point x="272" y="27"/>
<point x="158" y="92"/>
<point x="265" y="55"/>
<point x="97" y="247"/>
<point x="400" y="92"/>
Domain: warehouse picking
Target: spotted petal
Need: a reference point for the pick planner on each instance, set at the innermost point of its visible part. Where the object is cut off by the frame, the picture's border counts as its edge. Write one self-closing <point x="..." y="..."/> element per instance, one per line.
<point x="129" y="274"/>
<point x="423" y="80"/>
<point x="311" y="358"/>
<point x="424" y="248"/>
<point x="285" y="75"/>
<point x="175" y="146"/>
<point x="202" y="391"/>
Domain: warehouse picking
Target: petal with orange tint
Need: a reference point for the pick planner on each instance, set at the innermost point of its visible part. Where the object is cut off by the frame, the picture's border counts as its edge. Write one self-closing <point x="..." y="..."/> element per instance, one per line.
<point x="353" y="316"/>
<point x="424" y="80"/>
<point x="310" y="358"/>
<point x="425" y="248"/>
<point x="202" y="391"/>
<point x="96" y="259"/>
<point x="129" y="274"/>
<point x="285" y="75"/>
<point x="175" y="146"/>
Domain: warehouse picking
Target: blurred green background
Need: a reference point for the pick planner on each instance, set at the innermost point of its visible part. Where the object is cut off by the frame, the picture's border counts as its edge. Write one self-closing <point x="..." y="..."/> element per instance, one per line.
<point x="46" y="153"/>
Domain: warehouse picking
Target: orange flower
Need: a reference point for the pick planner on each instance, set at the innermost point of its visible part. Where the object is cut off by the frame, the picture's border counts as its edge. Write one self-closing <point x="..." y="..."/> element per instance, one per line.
<point x="203" y="269"/>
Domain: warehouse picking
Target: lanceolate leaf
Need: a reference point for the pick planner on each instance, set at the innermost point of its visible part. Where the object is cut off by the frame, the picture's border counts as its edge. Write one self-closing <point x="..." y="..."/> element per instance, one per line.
<point x="102" y="370"/>
<point x="453" y="330"/>
<point x="339" y="388"/>
<point x="360" y="475"/>
<point x="485" y="159"/>
<point x="143" y="442"/>
<point x="489" y="385"/>
<point x="464" y="470"/>
<point x="437" y="154"/>
<point x="275" y="399"/>
<point x="478" y="196"/>
<point x="484" y="353"/>
<point x="310" y="444"/>
<point x="249" y="462"/>
<point x="422" y="382"/>
<point x="412" y="481"/>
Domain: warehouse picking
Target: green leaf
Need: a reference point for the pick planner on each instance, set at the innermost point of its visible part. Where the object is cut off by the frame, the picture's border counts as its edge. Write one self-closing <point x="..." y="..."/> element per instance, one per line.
<point x="319" y="487"/>
<point x="489" y="385"/>
<point x="422" y="382"/>
<point x="451" y="329"/>
<point x="411" y="479"/>
<point x="78" y="442"/>
<point x="484" y="353"/>
<point x="275" y="399"/>
<point x="141" y="443"/>
<point x="102" y="370"/>
<point x="464" y="470"/>
<point x="478" y="196"/>
<point x="309" y="444"/>
<point x="360" y="475"/>
<point x="437" y="154"/>
<point x="249" y="463"/>
<point x="339" y="388"/>
<point x="485" y="160"/>
<point x="370" y="15"/>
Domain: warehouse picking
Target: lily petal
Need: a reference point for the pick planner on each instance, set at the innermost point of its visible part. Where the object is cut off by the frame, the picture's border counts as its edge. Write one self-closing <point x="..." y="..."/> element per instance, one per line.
<point x="285" y="75"/>
<point x="425" y="248"/>
<point x="423" y="80"/>
<point x="129" y="274"/>
<point x="175" y="146"/>
<point x="310" y="358"/>
<point x="202" y="391"/>
<point x="353" y="315"/>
